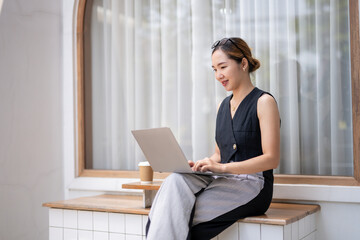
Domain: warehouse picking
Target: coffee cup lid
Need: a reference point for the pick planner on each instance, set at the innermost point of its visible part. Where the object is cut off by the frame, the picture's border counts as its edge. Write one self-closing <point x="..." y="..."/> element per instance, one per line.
<point x="144" y="164"/>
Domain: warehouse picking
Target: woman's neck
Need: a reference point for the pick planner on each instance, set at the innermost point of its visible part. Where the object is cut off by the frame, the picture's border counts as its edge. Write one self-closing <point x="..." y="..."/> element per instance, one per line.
<point x="242" y="91"/>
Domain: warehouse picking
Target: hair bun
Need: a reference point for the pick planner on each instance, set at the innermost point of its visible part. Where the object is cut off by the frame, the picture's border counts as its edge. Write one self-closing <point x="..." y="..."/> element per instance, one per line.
<point x="255" y="64"/>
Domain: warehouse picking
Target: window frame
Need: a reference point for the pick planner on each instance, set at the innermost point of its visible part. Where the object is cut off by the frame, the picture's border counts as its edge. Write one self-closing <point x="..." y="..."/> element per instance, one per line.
<point x="279" y="178"/>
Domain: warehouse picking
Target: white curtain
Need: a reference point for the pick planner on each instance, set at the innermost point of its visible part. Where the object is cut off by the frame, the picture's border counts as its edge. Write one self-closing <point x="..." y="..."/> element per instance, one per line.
<point x="151" y="67"/>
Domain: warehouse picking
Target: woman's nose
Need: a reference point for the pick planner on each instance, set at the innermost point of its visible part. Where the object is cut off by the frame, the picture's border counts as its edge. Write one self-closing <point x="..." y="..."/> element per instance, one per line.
<point x="220" y="76"/>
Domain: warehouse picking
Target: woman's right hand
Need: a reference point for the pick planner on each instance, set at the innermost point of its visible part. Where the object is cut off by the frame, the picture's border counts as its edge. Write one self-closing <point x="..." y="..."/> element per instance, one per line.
<point x="191" y="163"/>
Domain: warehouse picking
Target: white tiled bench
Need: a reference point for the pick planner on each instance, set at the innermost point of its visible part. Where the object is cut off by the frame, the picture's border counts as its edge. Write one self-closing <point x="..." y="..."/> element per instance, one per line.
<point x="115" y="217"/>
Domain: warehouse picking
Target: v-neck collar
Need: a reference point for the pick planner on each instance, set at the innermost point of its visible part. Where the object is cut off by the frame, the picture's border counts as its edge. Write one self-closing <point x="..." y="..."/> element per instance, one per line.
<point x="231" y="96"/>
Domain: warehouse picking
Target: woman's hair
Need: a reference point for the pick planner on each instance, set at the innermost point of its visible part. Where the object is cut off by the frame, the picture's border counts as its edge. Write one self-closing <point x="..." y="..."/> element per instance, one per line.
<point x="236" y="49"/>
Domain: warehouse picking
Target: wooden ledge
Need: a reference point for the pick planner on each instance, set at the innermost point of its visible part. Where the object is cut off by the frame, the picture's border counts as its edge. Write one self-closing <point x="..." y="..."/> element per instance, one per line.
<point x="278" y="213"/>
<point x="145" y="186"/>
<point x="283" y="213"/>
<point x="103" y="203"/>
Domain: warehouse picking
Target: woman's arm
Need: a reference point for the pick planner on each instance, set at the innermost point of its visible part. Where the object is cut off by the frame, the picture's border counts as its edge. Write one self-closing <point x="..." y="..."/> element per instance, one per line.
<point x="269" y="120"/>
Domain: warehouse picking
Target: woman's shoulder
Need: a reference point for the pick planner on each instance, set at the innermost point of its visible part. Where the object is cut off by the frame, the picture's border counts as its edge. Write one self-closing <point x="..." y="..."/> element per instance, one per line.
<point x="266" y="101"/>
<point x="265" y="97"/>
<point x="266" y="105"/>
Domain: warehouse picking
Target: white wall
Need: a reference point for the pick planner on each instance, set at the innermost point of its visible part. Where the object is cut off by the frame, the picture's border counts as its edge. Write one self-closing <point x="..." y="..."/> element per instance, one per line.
<point x="31" y="165"/>
<point x="339" y="221"/>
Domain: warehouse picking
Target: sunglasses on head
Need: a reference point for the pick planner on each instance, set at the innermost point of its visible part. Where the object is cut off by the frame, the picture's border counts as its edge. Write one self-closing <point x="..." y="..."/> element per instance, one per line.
<point x="223" y="42"/>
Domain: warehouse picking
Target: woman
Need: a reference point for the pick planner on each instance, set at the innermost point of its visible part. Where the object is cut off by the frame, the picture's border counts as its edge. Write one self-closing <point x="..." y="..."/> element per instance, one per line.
<point x="191" y="206"/>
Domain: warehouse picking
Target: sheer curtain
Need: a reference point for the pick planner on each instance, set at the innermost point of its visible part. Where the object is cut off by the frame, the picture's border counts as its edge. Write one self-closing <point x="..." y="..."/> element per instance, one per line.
<point x="151" y="67"/>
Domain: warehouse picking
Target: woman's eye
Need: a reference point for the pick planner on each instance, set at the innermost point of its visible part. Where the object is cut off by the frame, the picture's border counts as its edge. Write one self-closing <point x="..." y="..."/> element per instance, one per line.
<point x="214" y="69"/>
<point x="223" y="67"/>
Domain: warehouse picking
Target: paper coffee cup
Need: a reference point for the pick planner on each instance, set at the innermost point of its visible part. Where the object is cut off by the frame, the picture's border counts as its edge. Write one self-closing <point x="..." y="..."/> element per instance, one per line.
<point x="146" y="172"/>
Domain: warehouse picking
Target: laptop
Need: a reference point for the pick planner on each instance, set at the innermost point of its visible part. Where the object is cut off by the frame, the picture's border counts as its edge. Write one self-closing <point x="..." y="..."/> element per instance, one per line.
<point x="163" y="152"/>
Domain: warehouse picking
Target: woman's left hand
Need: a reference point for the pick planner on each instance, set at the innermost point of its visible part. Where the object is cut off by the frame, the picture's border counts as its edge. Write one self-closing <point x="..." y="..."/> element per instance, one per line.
<point x="207" y="164"/>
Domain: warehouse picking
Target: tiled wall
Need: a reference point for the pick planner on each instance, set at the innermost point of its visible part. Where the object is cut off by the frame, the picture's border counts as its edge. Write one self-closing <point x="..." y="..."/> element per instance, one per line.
<point x="304" y="229"/>
<point x="88" y="225"/>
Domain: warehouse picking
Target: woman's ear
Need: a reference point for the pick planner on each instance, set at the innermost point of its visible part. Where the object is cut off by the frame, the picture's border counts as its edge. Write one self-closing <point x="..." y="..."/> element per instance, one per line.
<point x="244" y="64"/>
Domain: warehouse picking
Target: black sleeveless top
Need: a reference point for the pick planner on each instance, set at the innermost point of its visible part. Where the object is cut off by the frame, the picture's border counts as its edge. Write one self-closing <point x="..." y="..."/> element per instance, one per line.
<point x="239" y="138"/>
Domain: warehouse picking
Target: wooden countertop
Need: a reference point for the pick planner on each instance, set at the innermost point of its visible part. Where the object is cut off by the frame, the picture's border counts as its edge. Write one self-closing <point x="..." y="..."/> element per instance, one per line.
<point x="278" y="213"/>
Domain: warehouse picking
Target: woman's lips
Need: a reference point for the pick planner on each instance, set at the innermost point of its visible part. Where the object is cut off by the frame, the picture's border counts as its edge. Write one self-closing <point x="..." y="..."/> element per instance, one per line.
<point x="224" y="83"/>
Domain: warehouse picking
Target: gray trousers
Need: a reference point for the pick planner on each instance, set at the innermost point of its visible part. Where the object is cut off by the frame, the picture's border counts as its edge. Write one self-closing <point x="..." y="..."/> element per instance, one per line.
<point x="172" y="207"/>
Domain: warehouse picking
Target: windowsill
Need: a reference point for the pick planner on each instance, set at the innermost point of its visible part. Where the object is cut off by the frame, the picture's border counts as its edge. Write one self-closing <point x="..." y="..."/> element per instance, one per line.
<point x="96" y="184"/>
<point x="321" y="193"/>
<point x="298" y="192"/>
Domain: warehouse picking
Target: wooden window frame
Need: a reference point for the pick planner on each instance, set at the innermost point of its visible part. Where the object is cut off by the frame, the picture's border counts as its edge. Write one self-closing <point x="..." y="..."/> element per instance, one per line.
<point x="279" y="178"/>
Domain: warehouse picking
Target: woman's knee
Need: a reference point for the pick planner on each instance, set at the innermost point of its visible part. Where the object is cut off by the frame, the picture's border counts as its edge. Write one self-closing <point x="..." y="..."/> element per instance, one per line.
<point x="174" y="177"/>
<point x="185" y="181"/>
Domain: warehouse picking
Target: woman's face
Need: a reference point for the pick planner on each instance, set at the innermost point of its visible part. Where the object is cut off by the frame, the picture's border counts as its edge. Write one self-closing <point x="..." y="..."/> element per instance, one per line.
<point x="227" y="71"/>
